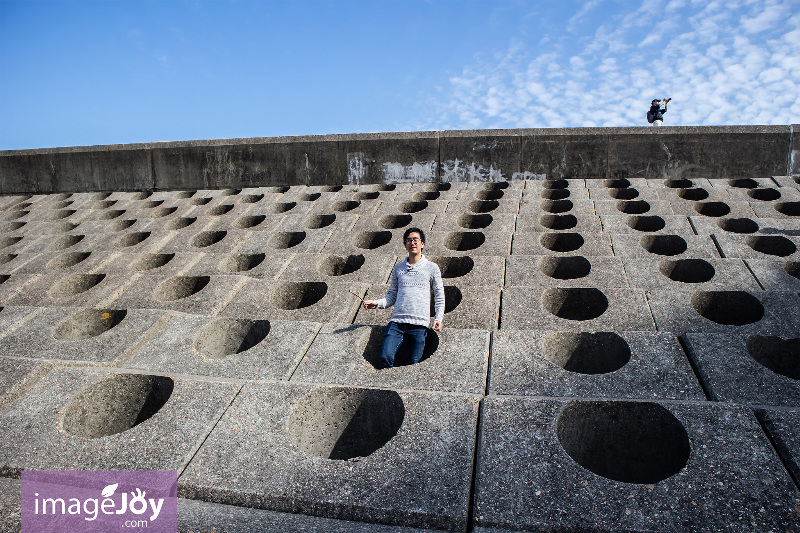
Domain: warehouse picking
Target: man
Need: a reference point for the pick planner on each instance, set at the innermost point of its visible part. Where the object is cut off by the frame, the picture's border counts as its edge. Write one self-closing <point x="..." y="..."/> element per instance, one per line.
<point x="410" y="292"/>
<point x="656" y="115"/>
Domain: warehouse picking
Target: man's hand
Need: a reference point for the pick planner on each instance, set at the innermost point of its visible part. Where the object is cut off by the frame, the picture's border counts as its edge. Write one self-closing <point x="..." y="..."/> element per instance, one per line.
<point x="370" y="304"/>
<point x="437" y="325"/>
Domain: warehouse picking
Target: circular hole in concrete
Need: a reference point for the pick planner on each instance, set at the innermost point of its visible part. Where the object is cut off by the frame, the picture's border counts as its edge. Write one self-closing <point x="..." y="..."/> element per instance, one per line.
<point x="370" y="240"/>
<point x="692" y="194"/>
<point x="423" y="196"/>
<point x="318" y="221"/>
<point x="200" y="201"/>
<point x="163" y="211"/>
<point x="8" y="227"/>
<point x="151" y="204"/>
<point x="16" y="214"/>
<point x="765" y="195"/>
<point x="219" y="210"/>
<point x="586" y="353"/>
<point x="116" y="404"/>
<point x="452" y="299"/>
<point x="230" y="192"/>
<point x="64" y="242"/>
<point x="561" y="242"/>
<point x="180" y="223"/>
<point x="59" y="196"/>
<point x="25" y="205"/>
<point x="132" y="239"/>
<point x="9" y="241"/>
<point x="241" y="262"/>
<point x="61" y="214"/>
<point x="489" y="195"/>
<point x="75" y="284"/>
<point x="412" y="207"/>
<point x="574" y="303"/>
<point x="343" y="423"/>
<point x="556" y="206"/>
<point x="645" y="223"/>
<point x="554" y="194"/>
<point x="663" y="244"/>
<point x="309" y="196"/>
<point x="228" y="336"/>
<point x="365" y="195"/>
<point x="110" y="214"/>
<point x="249" y="221"/>
<point x="433" y="187"/>
<point x="63" y="227"/>
<point x="678" y="183"/>
<point x="558" y="222"/>
<point x="251" y="198"/>
<point x="731" y="308"/>
<point x="208" y="238"/>
<point x="185" y="194"/>
<point x="151" y="261"/>
<point x="277" y="208"/>
<point x="623" y="194"/>
<point x="293" y="295"/>
<point x="57" y="205"/>
<point x="180" y="287"/>
<point x="330" y="188"/>
<point x="120" y="225"/>
<point x="496" y="186"/>
<point x="738" y="225"/>
<point x="371" y="348"/>
<point x="282" y="189"/>
<point x="712" y="209"/>
<point x="67" y="259"/>
<point x="555" y="184"/>
<point x="141" y="195"/>
<point x="792" y="268"/>
<point x="473" y="221"/>
<point x="620" y="183"/>
<point x="790" y="209"/>
<point x="771" y="244"/>
<point x="394" y="221"/>
<point x="7" y="258"/>
<point x="782" y="356"/>
<point x="454" y="267"/>
<point x="633" y="207"/>
<point x="746" y="183"/>
<point x="337" y="265"/>
<point x="343" y="206"/>
<point x="462" y="241"/>
<point x="102" y="204"/>
<point x="88" y="323"/>
<point x="565" y="267"/>
<point x="687" y="270"/>
<point x="632" y="442"/>
<point x="483" y="206"/>
<point x="283" y="240"/>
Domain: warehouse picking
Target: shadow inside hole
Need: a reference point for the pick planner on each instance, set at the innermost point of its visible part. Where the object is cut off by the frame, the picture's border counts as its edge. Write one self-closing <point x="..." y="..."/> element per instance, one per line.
<point x="394" y="221"/>
<point x="251" y="198"/>
<point x="471" y="221"/>
<point x="574" y="303"/>
<point x="220" y="210"/>
<point x="294" y="295"/>
<point x="745" y="183"/>
<point x="764" y="195"/>
<point x="645" y="223"/>
<point x="7" y="258"/>
<point x="75" y="284"/>
<point x="790" y="209"/>
<point x="366" y="195"/>
<point x="687" y="270"/>
<point x="496" y="186"/>
<point x="180" y="223"/>
<point x="88" y="323"/>
<point x="431" y="187"/>
<point x="483" y="206"/>
<point x="241" y="262"/>
<point x="116" y="404"/>
<point x="344" y="423"/>
<point x="151" y="261"/>
<point x="462" y="241"/>
<point x="565" y="267"/>
<point x="586" y="353"/>
<point x="10" y="241"/>
<point x="412" y="207"/>
<point x="370" y="240"/>
<point x="337" y="265"/>
<point x="452" y="299"/>
<point x="61" y="243"/>
<point x="205" y="239"/>
<point x="423" y="196"/>
<point x="555" y="184"/>
<point x="200" y="201"/>
<point x="777" y="245"/>
<point x="692" y="194"/>
<point x="623" y="194"/>
<point x="678" y="183"/>
<point x="633" y="207"/>
<point x="664" y="244"/>
<point x="556" y="206"/>
<point x="343" y="206"/>
<point x="561" y="242"/>
<point x="779" y="355"/>
<point x="792" y="268"/>
<point x="632" y="442"/>
<point x="277" y="208"/>
<point x="494" y="194"/>
<point x="67" y="260"/>
<point x="309" y="197"/>
<point x="372" y="349"/>
<point x="738" y="225"/>
<point x="730" y="308"/>
<point x="619" y="183"/>
<point x="229" y="336"/>
<point x="283" y="240"/>
<point x="249" y="221"/>
<point x="558" y="222"/>
<point x="454" y="267"/>
<point x="554" y="194"/>
<point x="121" y="225"/>
<point x="180" y="287"/>
<point x="132" y="239"/>
<point x="712" y="209"/>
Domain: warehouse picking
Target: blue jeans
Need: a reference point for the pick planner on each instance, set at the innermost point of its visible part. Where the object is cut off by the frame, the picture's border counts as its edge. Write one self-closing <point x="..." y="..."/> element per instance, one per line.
<point x="394" y="335"/>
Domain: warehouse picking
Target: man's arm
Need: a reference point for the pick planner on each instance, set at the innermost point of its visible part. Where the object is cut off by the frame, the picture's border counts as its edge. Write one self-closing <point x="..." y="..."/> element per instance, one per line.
<point x="438" y="297"/>
<point x="389" y="299"/>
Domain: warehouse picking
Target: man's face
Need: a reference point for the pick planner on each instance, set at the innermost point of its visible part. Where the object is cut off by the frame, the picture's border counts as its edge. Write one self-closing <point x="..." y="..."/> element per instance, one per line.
<point x="413" y="243"/>
<point x="654" y="102"/>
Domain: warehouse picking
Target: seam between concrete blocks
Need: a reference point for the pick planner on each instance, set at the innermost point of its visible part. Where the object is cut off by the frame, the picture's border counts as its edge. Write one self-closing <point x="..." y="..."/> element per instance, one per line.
<point x="753" y="274"/>
<point x="695" y="369"/>
<point x="304" y="352"/>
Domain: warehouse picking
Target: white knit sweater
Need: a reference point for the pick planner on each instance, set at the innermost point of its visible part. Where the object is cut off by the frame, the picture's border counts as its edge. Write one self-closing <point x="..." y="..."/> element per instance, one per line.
<point x="410" y="292"/>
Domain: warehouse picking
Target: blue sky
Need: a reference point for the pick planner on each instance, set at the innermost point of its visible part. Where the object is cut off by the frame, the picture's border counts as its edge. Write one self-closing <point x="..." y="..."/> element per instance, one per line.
<point x="86" y="72"/>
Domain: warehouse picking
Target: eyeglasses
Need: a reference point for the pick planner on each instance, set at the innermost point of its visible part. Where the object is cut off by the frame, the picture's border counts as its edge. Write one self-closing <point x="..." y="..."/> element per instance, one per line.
<point x="413" y="240"/>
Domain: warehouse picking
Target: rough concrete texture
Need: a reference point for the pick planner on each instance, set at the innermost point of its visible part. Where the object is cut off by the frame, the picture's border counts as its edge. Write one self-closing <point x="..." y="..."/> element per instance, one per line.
<point x="224" y="340"/>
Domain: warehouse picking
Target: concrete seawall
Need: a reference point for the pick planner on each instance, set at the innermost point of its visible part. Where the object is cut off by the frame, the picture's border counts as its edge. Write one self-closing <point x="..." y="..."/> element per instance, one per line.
<point x="478" y="155"/>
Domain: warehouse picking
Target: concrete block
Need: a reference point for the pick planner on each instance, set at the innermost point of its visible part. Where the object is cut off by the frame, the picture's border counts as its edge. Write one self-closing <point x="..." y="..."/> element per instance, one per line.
<point x="628" y="245"/>
<point x="789" y="209"/>
<point x="493" y="207"/>
<point x="714" y="209"/>
<point x="626" y="194"/>
<point x="18" y="374"/>
<point x="11" y="262"/>
<point x="781" y="425"/>
<point x="563" y="243"/>
<point x="744" y="226"/>
<point x="689" y="274"/>
<point x="74" y="242"/>
<point x="153" y="263"/>
<point x="14" y="317"/>
<point x="561" y="465"/>
<point x="205" y="295"/>
<point x="226" y="347"/>
<point x="753" y="369"/>
<point x="397" y="223"/>
<point x="11" y="285"/>
<point x="468" y="242"/>
<point x="475" y="222"/>
<point x="731" y="312"/>
<point x="564" y="271"/>
<point x="75" y="334"/>
<point x="69" y="290"/>
<point x="62" y="262"/>
<point x="775" y="247"/>
<point x="787" y="181"/>
<point x="332" y="221"/>
<point x="635" y="364"/>
<point x="567" y="222"/>
<point x="280" y="207"/>
<point x="467" y="271"/>
<point x="255" y="265"/>
<point x="206" y="239"/>
<point x="284" y="242"/>
<point x="249" y="222"/>
<point x="539" y="207"/>
<point x="575" y="309"/>
<point x="92" y="419"/>
<point x="358" y="268"/>
<point x="321" y="460"/>
<point x="633" y="207"/>
<point x="646" y="224"/>
<point x="617" y="183"/>
<point x="10" y="505"/>
<point x="455" y="360"/>
<point x="372" y="240"/>
<point x="776" y="275"/>
<point x="311" y="301"/>
<point x="110" y="227"/>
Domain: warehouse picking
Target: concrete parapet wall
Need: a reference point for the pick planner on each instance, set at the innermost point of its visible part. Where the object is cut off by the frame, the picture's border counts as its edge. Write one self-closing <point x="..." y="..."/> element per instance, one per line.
<point x="485" y="155"/>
